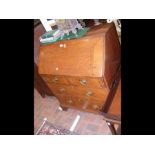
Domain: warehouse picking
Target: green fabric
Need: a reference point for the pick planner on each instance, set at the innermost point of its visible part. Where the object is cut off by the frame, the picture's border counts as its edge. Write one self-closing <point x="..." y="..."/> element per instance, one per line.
<point x="48" y="34"/>
<point x="71" y="35"/>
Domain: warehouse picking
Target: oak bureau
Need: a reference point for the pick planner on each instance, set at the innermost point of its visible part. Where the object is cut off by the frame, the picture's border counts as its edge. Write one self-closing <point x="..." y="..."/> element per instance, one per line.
<point x="81" y="72"/>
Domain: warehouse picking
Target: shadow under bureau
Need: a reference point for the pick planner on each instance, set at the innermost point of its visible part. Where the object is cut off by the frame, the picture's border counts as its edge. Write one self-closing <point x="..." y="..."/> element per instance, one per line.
<point x="81" y="72"/>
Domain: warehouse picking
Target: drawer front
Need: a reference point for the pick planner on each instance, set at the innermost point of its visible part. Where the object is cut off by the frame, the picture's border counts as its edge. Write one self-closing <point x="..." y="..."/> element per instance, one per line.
<point x="54" y="79"/>
<point x="61" y="89"/>
<point x="86" y="82"/>
<point x="70" y="101"/>
<point x="90" y="93"/>
<point x="80" y="103"/>
<point x="94" y="107"/>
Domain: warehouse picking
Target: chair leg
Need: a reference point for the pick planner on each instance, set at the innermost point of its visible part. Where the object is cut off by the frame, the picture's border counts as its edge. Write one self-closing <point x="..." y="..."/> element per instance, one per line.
<point x="119" y="130"/>
<point x="112" y="128"/>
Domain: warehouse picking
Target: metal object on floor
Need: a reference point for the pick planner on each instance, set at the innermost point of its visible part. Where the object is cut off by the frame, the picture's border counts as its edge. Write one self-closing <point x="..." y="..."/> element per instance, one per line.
<point x="45" y="119"/>
<point x="75" y="123"/>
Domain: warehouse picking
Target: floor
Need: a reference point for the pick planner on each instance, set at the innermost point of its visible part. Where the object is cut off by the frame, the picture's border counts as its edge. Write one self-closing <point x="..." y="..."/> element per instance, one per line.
<point x="89" y="123"/>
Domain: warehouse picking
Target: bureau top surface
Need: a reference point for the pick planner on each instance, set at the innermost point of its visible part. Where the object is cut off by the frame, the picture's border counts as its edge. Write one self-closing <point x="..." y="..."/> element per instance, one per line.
<point x="76" y="57"/>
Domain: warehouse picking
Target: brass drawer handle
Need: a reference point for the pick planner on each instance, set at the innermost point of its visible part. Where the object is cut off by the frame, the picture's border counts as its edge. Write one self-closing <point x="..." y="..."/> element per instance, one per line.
<point x="55" y="79"/>
<point x="62" y="89"/>
<point x="79" y="100"/>
<point x="70" y="101"/>
<point x="89" y="93"/>
<point x="65" y="45"/>
<point x="83" y="82"/>
<point x="62" y="45"/>
<point x="94" y="106"/>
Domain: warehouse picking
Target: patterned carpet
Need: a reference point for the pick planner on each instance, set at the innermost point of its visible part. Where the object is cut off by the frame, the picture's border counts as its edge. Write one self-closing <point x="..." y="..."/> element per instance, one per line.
<point x="48" y="128"/>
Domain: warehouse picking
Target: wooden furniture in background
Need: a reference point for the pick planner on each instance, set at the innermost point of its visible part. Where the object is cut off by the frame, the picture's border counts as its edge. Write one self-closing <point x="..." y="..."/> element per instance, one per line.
<point x="36" y="22"/>
<point x="39" y="83"/>
<point x="81" y="72"/>
<point x="112" y="108"/>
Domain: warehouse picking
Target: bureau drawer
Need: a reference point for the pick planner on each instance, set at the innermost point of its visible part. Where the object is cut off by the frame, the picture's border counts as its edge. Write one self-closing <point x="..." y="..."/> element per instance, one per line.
<point x="94" y="107"/>
<point x="70" y="101"/>
<point x="61" y="89"/>
<point x="86" y="82"/>
<point x="54" y="79"/>
<point x="80" y="103"/>
<point x="91" y="93"/>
